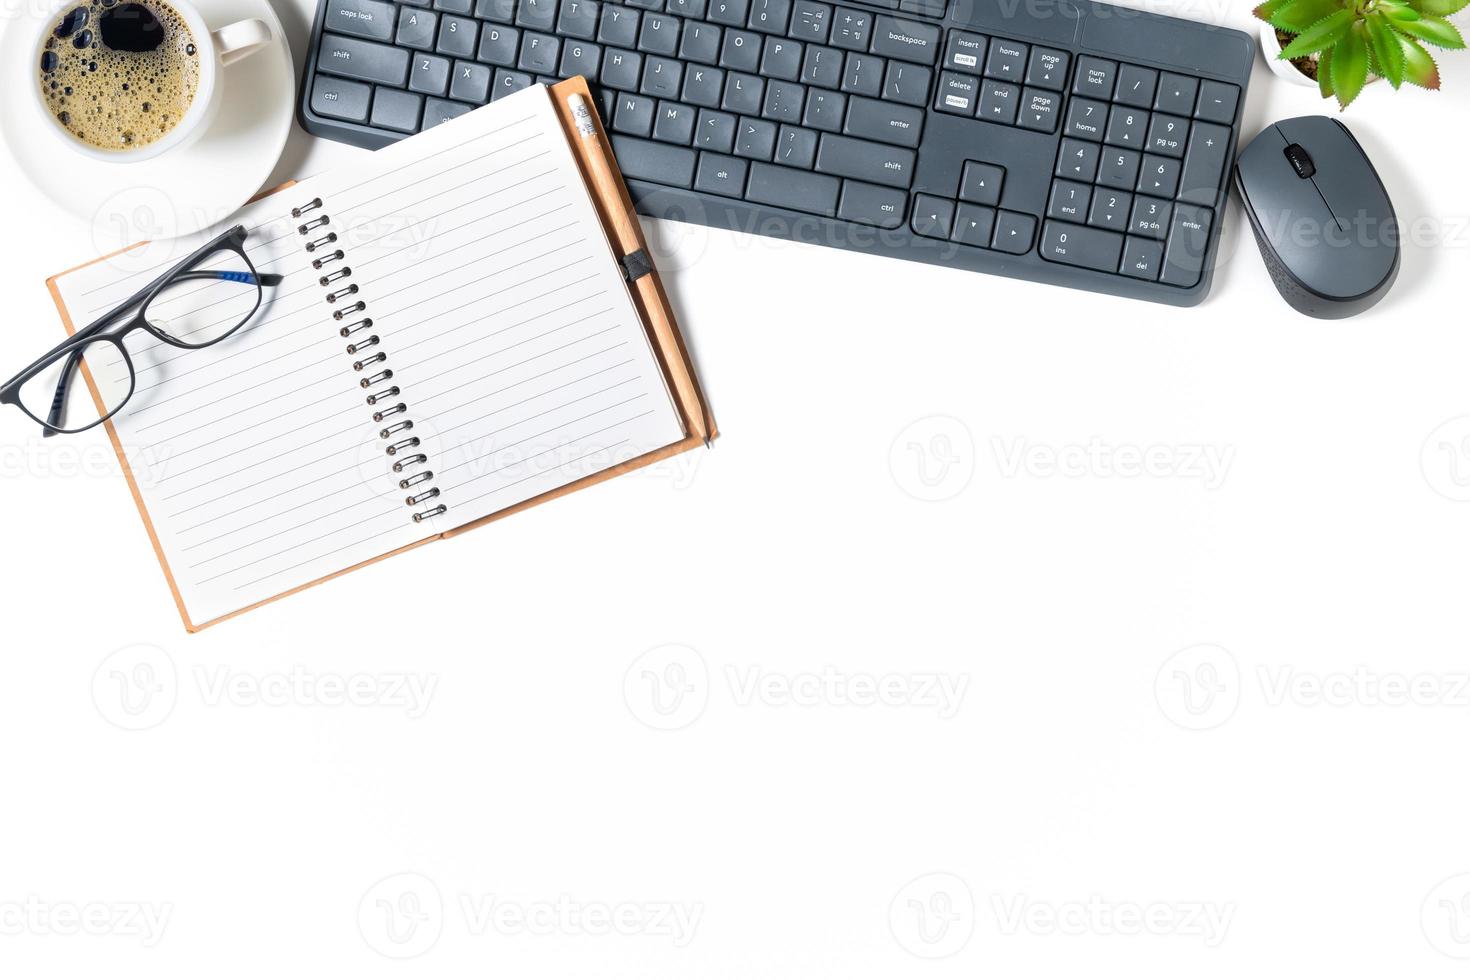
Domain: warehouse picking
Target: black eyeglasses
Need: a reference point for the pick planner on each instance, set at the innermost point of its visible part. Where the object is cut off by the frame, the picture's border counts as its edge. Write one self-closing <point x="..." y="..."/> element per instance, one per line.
<point x="173" y="308"/>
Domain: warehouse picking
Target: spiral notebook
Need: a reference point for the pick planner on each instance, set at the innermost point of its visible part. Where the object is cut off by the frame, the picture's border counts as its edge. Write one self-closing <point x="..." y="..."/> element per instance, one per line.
<point x="467" y="326"/>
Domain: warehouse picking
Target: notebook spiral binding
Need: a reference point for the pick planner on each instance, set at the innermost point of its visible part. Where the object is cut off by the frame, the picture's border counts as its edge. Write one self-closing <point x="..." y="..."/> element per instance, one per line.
<point x="402" y="447"/>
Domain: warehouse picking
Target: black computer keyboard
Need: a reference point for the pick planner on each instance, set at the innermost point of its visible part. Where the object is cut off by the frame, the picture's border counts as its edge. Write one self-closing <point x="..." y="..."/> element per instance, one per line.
<point x="1078" y="144"/>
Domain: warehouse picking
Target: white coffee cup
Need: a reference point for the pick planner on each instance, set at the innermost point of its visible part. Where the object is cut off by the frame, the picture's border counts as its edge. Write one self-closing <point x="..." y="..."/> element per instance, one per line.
<point x="215" y="50"/>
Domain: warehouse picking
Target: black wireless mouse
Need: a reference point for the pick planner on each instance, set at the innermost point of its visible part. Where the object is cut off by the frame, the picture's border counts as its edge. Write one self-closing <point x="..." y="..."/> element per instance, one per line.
<point x="1322" y="219"/>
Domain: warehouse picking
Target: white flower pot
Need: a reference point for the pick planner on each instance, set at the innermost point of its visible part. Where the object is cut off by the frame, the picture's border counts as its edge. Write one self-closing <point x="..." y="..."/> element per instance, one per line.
<point x="1271" y="48"/>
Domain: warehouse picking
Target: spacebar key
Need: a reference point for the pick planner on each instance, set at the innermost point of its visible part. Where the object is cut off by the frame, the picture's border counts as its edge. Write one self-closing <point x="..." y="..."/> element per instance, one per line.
<point x="659" y="162"/>
<point x="1090" y="248"/>
<point x="783" y="187"/>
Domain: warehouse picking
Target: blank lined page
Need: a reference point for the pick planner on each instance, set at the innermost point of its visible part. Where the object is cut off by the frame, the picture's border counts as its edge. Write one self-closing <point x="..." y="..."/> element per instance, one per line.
<point x="510" y="334"/>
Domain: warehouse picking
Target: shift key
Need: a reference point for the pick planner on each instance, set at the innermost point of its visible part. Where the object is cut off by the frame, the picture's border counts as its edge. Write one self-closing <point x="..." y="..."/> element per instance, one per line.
<point x="372" y="19"/>
<point x="861" y="160"/>
<point x="363" y="59"/>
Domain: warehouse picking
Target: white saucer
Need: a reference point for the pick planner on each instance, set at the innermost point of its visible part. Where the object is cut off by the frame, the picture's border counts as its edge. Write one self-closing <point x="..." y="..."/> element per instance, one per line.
<point x="181" y="192"/>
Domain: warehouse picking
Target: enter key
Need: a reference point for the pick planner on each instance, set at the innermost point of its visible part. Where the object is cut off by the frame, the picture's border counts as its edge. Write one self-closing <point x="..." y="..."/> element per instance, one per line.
<point x="874" y="120"/>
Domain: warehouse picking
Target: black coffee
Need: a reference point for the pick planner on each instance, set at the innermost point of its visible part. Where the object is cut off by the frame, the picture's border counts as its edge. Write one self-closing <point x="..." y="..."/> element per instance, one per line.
<point x="119" y="75"/>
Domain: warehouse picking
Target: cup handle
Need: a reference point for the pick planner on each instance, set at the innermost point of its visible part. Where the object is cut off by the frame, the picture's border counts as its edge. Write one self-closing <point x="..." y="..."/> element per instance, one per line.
<point x="242" y="38"/>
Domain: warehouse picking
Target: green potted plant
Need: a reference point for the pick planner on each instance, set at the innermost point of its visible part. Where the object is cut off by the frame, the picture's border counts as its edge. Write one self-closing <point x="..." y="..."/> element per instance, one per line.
<point x="1341" y="45"/>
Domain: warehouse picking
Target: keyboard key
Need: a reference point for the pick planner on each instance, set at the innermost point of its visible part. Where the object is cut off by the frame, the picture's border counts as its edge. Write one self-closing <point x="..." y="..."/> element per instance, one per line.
<point x="907" y="83"/>
<point x="769" y="16"/>
<point x="875" y="120"/>
<point x="719" y="174"/>
<point x="980" y="183"/>
<point x="1078" y="160"/>
<point x="743" y="94"/>
<point x="999" y="101"/>
<point x="1136" y="86"/>
<point x="973" y="225"/>
<point x="1204" y="163"/>
<point x="1110" y="209"/>
<point x="1014" y="232"/>
<point x="1176" y="94"/>
<point x="700" y="42"/>
<point x="507" y="82"/>
<point x="907" y="39"/>
<point x="1166" y="135"/>
<point x="438" y="111"/>
<point x="1095" y="77"/>
<point x="660" y="34"/>
<point x="1150" y="217"/>
<point x="811" y="21"/>
<point x="536" y="15"/>
<point x="398" y="110"/>
<point x="796" y="147"/>
<point x="1007" y="60"/>
<point x="875" y="163"/>
<point x="499" y="45"/>
<point x="621" y="70"/>
<point x="958" y="94"/>
<point x="1069" y="201"/>
<point x="863" y="75"/>
<point x="1047" y="69"/>
<point x="363" y="60"/>
<point x="1039" y="110"/>
<point x="1189" y="239"/>
<point x="578" y="18"/>
<point x="797" y="190"/>
<point x="416" y="29"/>
<point x="539" y="53"/>
<point x="822" y="66"/>
<point x="687" y="8"/>
<point x="1127" y="127"/>
<point x="470" y="83"/>
<point x="715" y="131"/>
<point x="965" y="52"/>
<point x="755" y="138"/>
<point x="781" y="58"/>
<point x="870" y="204"/>
<point x="1087" y="248"/>
<point x="580" y="58"/>
<point x="1159" y="176"/>
<point x="457" y="36"/>
<point x="634" y="115"/>
<point x="852" y="29"/>
<point x="933" y="9"/>
<point x="1119" y="169"/>
<point x="619" y="26"/>
<point x="659" y="162"/>
<point x="933" y="216"/>
<point x="730" y="13"/>
<point x="1217" y="101"/>
<point x="340" y="99"/>
<point x="784" y="101"/>
<point x="741" y="51"/>
<point x="662" y="77"/>
<point x="455" y="6"/>
<point x="1142" y="258"/>
<point x="673" y="123"/>
<point x="825" y="111"/>
<point x="371" y="19"/>
<point x="500" y="11"/>
<point x="1086" y="119"/>
<point x="703" y="86"/>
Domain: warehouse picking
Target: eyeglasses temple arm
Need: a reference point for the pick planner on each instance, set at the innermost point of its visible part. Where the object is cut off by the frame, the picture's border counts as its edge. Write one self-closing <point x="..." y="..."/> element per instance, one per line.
<point x="58" y="401"/>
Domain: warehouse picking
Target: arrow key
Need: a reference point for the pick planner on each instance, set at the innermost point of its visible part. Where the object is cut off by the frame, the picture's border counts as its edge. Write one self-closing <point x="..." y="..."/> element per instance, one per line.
<point x="980" y="183"/>
<point x="933" y="216"/>
<point x="1013" y="232"/>
<point x="973" y="225"/>
<point x="1039" y="109"/>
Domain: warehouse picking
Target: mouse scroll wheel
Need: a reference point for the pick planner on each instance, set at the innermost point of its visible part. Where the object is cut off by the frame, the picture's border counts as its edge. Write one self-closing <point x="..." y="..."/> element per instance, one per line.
<point x="1301" y="161"/>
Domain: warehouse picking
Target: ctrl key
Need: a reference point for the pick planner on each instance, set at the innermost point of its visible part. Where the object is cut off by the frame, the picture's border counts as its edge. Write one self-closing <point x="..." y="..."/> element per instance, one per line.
<point x="340" y="99"/>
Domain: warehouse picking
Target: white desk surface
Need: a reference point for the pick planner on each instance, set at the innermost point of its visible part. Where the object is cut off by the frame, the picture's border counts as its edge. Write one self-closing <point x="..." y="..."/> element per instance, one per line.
<point x="1303" y="511"/>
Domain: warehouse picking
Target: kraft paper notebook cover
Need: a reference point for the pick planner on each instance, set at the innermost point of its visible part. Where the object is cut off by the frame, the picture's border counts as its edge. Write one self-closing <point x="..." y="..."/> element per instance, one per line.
<point x="490" y="278"/>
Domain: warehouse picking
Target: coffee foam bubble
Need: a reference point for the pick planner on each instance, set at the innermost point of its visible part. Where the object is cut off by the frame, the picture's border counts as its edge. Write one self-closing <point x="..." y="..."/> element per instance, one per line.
<point x="117" y="99"/>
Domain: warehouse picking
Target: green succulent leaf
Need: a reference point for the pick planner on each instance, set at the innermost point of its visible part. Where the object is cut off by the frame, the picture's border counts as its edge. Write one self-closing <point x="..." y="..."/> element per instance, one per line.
<point x="1268" y="9"/>
<point x="1349" y="67"/>
<point x="1419" y="66"/>
<point x="1321" y="35"/>
<point x="1324" y="74"/>
<point x="1436" y="30"/>
<point x="1441" y="8"/>
<point x="1387" y="52"/>
<point x="1299" y="15"/>
<point x="1398" y="11"/>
